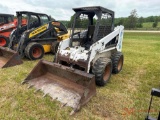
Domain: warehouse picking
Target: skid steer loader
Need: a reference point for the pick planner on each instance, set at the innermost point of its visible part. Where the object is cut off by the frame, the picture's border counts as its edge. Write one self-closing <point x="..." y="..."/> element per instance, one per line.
<point x="7" y="24"/>
<point x="89" y="56"/>
<point x="39" y="36"/>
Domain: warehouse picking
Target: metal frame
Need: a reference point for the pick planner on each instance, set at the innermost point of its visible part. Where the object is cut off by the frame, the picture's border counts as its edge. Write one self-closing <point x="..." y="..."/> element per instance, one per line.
<point x="21" y="36"/>
<point x="7" y="15"/>
<point x="19" y="16"/>
<point x="7" y="24"/>
<point x="28" y="14"/>
<point x="91" y="12"/>
<point x="25" y="40"/>
<point x="79" y="55"/>
<point x="154" y="92"/>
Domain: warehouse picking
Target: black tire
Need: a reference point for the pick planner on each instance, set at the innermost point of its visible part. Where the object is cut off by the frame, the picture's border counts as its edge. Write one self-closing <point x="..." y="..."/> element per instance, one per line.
<point x="54" y="47"/>
<point x="102" y="69"/>
<point x="34" y="51"/>
<point x="117" y="61"/>
<point x="54" y="58"/>
<point x="4" y="41"/>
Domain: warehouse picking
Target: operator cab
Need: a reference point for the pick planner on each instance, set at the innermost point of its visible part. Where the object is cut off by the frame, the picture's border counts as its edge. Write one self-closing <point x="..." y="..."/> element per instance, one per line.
<point x="6" y="18"/>
<point x="33" y="20"/>
<point x="90" y="25"/>
<point x="26" y="21"/>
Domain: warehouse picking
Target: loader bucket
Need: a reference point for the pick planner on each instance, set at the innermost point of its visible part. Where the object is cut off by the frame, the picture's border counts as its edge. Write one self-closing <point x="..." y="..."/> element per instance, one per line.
<point x="9" y="58"/>
<point x="70" y="86"/>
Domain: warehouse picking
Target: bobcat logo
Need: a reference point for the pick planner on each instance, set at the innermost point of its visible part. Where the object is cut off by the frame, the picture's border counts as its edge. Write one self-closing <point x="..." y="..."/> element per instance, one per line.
<point x="119" y="46"/>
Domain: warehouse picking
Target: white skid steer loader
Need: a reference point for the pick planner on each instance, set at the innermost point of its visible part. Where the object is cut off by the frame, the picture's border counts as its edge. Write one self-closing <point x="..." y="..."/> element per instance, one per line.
<point x="89" y="56"/>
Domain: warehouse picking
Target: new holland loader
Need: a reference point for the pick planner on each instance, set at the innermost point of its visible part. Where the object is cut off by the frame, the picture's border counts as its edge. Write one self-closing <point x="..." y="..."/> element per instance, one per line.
<point x="89" y="56"/>
<point x="39" y="36"/>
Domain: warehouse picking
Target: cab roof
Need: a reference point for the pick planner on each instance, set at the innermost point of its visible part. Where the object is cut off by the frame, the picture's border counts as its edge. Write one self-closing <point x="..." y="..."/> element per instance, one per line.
<point x="93" y="9"/>
<point x="28" y="12"/>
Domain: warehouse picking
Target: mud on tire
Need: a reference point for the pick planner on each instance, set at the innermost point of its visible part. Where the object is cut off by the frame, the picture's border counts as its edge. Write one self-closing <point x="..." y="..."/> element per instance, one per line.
<point x="34" y="51"/>
<point x="102" y="70"/>
<point x="117" y="60"/>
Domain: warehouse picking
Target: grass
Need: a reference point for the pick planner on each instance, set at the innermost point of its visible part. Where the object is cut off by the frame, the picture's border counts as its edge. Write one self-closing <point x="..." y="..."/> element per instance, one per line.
<point x="147" y="25"/>
<point x="158" y="25"/>
<point x="125" y="97"/>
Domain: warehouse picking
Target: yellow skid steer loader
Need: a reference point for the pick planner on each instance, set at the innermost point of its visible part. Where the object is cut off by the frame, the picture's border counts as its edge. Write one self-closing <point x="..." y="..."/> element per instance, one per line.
<point x="39" y="36"/>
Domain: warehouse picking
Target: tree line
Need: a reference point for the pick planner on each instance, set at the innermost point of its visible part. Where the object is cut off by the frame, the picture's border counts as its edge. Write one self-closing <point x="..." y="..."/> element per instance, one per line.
<point x="133" y="21"/>
<point x="130" y="22"/>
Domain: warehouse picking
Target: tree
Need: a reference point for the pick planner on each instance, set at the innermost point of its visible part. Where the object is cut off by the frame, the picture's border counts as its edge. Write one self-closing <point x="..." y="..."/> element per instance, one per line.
<point x="158" y="18"/>
<point x="126" y="22"/>
<point x="154" y="25"/>
<point x="149" y="19"/>
<point x="71" y="21"/>
<point x="51" y="17"/>
<point x="139" y="25"/>
<point x="132" y="19"/>
<point x="119" y="21"/>
<point x="141" y="20"/>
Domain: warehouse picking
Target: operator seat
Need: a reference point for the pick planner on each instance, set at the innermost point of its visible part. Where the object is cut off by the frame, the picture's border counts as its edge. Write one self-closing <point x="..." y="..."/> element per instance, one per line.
<point x="34" y="24"/>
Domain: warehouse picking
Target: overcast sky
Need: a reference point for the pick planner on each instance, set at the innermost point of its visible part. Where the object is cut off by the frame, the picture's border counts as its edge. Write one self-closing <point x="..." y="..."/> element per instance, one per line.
<point x="62" y="9"/>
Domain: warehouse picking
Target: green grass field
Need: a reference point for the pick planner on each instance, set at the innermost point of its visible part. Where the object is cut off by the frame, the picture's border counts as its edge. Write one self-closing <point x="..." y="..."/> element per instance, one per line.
<point x="126" y="96"/>
<point x="148" y="25"/>
<point x="158" y="25"/>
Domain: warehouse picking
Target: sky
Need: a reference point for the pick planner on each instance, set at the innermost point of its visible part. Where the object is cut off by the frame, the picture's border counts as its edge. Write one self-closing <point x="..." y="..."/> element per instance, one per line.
<point x="62" y="9"/>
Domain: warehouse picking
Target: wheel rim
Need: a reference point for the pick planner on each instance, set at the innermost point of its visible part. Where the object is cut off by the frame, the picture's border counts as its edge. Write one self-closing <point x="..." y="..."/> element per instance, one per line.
<point x="120" y="63"/>
<point x="2" y="42"/>
<point x="107" y="72"/>
<point x="37" y="52"/>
